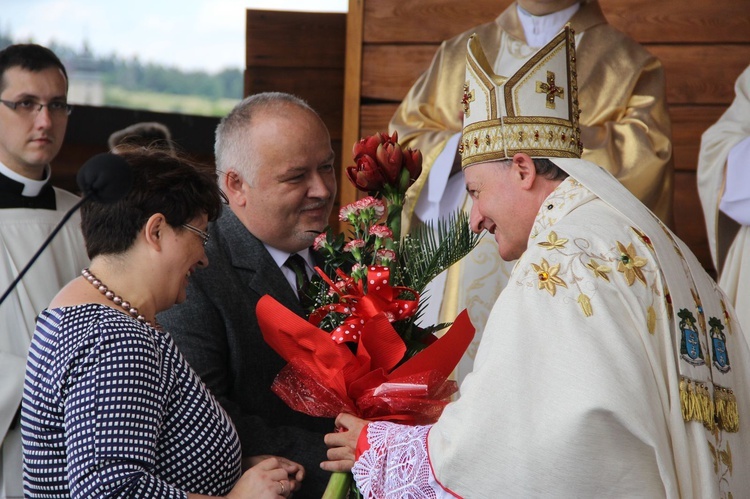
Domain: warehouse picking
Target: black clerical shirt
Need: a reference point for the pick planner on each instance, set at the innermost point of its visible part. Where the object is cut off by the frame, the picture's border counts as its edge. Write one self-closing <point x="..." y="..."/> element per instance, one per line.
<point x="10" y="196"/>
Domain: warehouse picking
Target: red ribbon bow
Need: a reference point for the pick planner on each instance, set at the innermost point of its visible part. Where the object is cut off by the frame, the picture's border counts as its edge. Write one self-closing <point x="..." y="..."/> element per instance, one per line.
<point x="323" y="378"/>
<point x="361" y="306"/>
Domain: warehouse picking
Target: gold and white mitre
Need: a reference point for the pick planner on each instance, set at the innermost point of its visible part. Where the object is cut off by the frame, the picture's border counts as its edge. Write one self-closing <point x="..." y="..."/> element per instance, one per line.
<point x="534" y="111"/>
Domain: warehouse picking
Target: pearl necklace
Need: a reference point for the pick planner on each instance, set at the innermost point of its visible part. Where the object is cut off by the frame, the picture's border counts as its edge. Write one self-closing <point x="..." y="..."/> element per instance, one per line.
<point x="103" y="289"/>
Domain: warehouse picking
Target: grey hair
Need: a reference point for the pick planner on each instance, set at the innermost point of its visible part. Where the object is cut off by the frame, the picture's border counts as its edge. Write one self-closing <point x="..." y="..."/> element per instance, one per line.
<point x="230" y="148"/>
<point x="547" y="169"/>
<point x="544" y="167"/>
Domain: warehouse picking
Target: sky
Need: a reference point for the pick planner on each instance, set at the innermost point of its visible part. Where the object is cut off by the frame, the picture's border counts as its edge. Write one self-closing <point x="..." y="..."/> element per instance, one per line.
<point x="206" y="35"/>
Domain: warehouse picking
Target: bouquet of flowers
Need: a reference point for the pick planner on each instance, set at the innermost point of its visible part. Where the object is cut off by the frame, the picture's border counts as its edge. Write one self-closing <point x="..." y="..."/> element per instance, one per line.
<point x="362" y="349"/>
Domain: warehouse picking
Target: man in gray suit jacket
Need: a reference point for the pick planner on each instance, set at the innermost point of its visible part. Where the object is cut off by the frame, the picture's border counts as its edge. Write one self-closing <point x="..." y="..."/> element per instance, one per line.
<point x="274" y="157"/>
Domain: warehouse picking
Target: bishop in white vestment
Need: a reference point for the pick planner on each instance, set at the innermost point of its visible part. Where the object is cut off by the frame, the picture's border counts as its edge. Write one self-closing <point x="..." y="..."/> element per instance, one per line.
<point x="611" y="365"/>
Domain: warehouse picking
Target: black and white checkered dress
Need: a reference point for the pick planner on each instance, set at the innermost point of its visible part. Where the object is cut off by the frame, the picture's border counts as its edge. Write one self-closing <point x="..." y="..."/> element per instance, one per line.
<point x="111" y="408"/>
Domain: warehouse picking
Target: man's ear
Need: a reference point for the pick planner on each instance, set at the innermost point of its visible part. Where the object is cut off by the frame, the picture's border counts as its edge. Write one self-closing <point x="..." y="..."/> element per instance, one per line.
<point x="154" y="230"/>
<point x="524" y="168"/>
<point x="234" y="188"/>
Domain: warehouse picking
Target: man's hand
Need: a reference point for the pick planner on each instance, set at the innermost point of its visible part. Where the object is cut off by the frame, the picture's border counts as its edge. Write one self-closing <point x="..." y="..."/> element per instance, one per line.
<point x="342" y="444"/>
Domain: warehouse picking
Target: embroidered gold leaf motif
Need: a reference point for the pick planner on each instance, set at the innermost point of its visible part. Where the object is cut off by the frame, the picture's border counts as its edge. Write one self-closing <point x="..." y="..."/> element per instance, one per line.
<point x="699" y="307"/>
<point x="651" y="319"/>
<point x="714" y="455"/>
<point x="548" y="278"/>
<point x="599" y="270"/>
<point x="630" y="264"/>
<point x="727" y="317"/>
<point x="553" y="242"/>
<point x="585" y="302"/>
<point x="726" y="458"/>
<point x="668" y="302"/>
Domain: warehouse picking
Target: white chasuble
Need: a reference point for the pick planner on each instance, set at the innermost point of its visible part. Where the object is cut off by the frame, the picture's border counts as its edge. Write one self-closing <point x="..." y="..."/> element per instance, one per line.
<point x="611" y="365"/>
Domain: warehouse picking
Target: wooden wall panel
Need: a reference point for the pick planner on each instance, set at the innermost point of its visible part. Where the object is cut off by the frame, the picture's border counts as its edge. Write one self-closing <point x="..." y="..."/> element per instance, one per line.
<point x="375" y="117"/>
<point x="689" y="223"/>
<point x="648" y="21"/>
<point x="701" y="74"/>
<point x="295" y="39"/>
<point x="432" y="21"/>
<point x="315" y="85"/>
<point x="391" y="70"/>
<point x="695" y="74"/>
<point x="688" y="124"/>
<point x="678" y="21"/>
<point x="301" y="53"/>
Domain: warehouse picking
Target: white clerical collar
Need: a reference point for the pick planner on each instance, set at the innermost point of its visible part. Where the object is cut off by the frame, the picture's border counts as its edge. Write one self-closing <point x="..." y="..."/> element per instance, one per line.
<point x="539" y="30"/>
<point x="31" y="188"/>
<point x="280" y="257"/>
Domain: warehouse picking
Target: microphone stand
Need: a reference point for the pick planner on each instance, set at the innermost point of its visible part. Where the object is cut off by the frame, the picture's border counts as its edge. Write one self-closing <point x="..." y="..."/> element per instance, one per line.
<point x="43" y="247"/>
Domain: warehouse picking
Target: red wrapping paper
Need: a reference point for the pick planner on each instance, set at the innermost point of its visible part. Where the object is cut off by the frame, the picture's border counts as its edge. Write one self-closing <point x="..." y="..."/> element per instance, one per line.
<point x="324" y="378"/>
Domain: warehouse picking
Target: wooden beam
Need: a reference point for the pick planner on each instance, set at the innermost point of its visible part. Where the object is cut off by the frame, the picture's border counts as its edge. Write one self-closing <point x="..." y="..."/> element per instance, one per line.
<point x="352" y="96"/>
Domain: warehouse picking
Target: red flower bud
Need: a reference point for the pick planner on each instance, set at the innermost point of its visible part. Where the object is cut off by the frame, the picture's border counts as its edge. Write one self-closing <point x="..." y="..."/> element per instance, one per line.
<point x="413" y="163"/>
<point x="367" y="146"/>
<point x="366" y="176"/>
<point x="390" y="159"/>
<point x="380" y="161"/>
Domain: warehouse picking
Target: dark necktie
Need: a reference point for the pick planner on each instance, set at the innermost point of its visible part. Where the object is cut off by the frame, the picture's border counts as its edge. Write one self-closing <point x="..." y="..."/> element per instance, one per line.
<point x="297" y="264"/>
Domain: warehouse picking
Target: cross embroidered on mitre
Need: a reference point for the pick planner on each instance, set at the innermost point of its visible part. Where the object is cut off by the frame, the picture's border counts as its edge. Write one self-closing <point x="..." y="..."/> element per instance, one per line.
<point x="550" y="89"/>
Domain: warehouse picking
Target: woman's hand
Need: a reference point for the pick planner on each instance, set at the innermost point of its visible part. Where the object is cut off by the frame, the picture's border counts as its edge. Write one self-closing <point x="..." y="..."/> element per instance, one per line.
<point x="272" y="477"/>
<point x="342" y="445"/>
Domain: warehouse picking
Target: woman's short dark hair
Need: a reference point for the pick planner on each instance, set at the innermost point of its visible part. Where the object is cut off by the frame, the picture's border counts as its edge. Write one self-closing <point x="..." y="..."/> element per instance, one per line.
<point x="163" y="182"/>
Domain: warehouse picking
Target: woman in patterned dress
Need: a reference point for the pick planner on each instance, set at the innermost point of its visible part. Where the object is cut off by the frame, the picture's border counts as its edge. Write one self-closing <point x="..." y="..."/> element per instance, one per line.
<point x="111" y="408"/>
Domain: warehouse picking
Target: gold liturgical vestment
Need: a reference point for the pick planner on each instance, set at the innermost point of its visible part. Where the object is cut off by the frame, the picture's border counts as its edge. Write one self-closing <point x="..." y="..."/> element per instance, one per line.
<point x="624" y="123"/>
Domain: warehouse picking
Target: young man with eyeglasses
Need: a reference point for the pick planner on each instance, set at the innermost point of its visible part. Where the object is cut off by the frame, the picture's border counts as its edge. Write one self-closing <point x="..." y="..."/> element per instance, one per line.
<point x="33" y="118"/>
